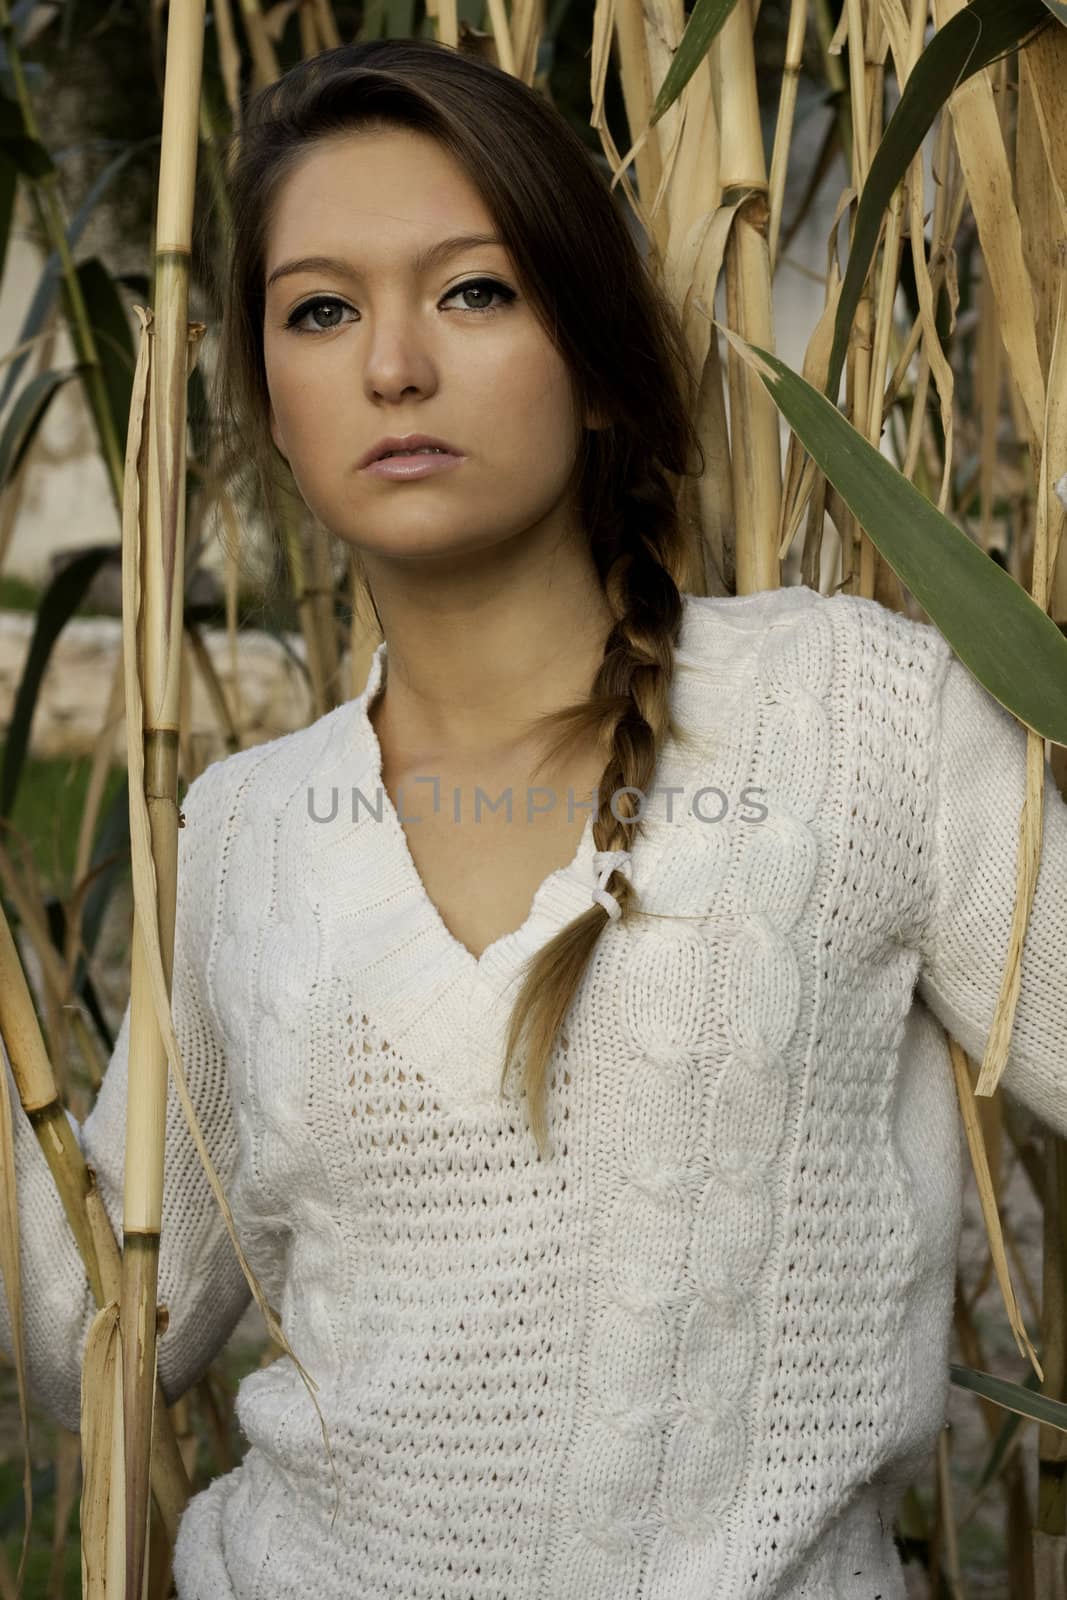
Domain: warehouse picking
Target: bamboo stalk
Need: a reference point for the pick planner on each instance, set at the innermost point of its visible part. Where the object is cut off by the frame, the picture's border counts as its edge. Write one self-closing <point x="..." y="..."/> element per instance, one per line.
<point x="928" y="282"/>
<point x="153" y="662"/>
<point x="76" y="1187"/>
<point x="229" y="53"/>
<point x="309" y="29"/>
<point x="260" y="44"/>
<point x="879" y="359"/>
<point x="328" y="30"/>
<point x="527" y="25"/>
<point x="447" y="18"/>
<point x="32" y="919"/>
<point x="754" y="429"/>
<point x="213" y="684"/>
<point x="988" y="390"/>
<point x="980" y="145"/>
<point x="153" y="951"/>
<point x="852" y="17"/>
<point x="980" y="1162"/>
<point x="1048" y="531"/>
<point x="635" y="79"/>
<point x="501" y="30"/>
<point x="787" y="104"/>
<point x="946" y="1522"/>
<point x="1050" y="1523"/>
<point x="10" y="1266"/>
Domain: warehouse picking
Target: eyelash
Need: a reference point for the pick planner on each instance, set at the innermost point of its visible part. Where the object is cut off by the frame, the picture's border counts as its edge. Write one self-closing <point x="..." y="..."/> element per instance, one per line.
<point x="301" y="311"/>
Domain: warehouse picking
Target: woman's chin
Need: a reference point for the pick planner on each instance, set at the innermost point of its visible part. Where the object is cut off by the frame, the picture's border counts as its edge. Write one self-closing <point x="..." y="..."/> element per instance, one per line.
<point x="421" y="544"/>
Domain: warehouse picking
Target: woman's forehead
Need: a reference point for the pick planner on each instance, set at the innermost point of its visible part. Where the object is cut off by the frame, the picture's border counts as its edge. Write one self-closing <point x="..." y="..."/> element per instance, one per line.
<point x="390" y="207"/>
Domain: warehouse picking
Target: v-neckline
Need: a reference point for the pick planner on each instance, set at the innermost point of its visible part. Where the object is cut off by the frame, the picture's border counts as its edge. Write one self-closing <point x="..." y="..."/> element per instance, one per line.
<point x="558" y="898"/>
<point x="386" y="944"/>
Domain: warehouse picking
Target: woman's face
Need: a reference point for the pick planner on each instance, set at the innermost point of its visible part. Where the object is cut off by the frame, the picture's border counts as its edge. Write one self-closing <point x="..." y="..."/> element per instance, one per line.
<point x="375" y="344"/>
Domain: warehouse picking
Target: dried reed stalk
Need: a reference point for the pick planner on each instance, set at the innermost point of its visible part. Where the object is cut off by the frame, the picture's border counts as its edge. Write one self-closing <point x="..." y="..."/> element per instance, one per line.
<point x="153" y="583"/>
<point x="755" y="456"/>
<point x="987" y="1197"/>
<point x="1050" y="517"/>
<point x="76" y="1186"/>
<point x="153" y="540"/>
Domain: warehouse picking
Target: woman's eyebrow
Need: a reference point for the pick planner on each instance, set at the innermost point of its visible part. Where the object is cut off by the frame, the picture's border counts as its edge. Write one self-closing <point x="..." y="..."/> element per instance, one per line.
<point x="421" y="262"/>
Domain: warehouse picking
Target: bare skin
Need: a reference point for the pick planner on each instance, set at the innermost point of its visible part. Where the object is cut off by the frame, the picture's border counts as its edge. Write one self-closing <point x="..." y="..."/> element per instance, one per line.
<point x="482" y="875"/>
<point x="488" y="597"/>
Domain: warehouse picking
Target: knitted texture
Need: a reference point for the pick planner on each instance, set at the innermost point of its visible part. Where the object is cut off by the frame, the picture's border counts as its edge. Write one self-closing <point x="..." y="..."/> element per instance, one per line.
<point x="697" y="1355"/>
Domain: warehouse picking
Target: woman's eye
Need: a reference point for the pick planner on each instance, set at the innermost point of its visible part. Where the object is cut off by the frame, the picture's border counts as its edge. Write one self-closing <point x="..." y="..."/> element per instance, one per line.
<point x="487" y="286"/>
<point x="309" y="306"/>
<point x="478" y="286"/>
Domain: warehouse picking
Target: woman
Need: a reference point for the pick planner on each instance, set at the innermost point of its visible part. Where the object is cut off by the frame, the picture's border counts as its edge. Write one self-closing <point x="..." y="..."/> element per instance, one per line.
<point x="663" y="1312"/>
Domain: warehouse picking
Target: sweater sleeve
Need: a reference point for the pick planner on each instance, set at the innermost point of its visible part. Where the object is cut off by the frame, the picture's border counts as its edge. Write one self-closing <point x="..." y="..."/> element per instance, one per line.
<point x="200" y="1279"/>
<point x="980" y="780"/>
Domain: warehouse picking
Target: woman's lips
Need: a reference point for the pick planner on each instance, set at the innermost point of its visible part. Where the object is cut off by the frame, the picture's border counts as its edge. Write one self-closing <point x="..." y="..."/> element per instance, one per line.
<point x="413" y="466"/>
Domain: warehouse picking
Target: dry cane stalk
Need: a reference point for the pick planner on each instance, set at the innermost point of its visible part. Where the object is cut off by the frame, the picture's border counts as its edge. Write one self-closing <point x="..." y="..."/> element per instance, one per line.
<point x="635" y="80"/>
<point x="9" y="1268"/>
<point x="946" y="1522"/>
<point x="1050" y="1524"/>
<point x="1048" y="531"/>
<point x="152" y="653"/>
<point x="150" y="958"/>
<point x="153" y="540"/>
<point x="526" y="23"/>
<point x="984" y="1182"/>
<point x="261" y="47"/>
<point x="327" y="24"/>
<point x="783" y="131"/>
<point x="1042" y="66"/>
<point x="980" y="144"/>
<point x="76" y="1186"/>
<point x="501" y="31"/>
<point x="755" y="450"/>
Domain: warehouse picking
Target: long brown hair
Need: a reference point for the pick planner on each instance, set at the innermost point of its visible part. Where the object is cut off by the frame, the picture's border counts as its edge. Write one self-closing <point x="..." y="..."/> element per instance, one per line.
<point x="623" y="345"/>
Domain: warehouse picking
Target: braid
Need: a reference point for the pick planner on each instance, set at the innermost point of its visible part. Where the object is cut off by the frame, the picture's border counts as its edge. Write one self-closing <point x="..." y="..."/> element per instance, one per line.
<point x="629" y="710"/>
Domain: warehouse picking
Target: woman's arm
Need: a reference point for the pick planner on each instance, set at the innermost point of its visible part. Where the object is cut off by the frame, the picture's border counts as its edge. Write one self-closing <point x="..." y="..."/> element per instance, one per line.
<point x="200" y="1279"/>
<point x="979" y="778"/>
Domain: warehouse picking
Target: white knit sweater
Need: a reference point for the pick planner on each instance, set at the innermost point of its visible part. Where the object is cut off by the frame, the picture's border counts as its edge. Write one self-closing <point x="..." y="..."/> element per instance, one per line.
<point x="700" y="1353"/>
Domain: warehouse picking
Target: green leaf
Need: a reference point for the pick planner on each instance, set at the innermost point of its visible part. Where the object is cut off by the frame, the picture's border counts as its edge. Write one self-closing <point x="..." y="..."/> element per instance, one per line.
<point x="51" y="273"/>
<point x="704" y="23"/>
<point x="58" y="603"/>
<point x="8" y="185"/>
<point x="114" y="342"/>
<point x="25" y="418"/>
<point x="1012" y="1396"/>
<point x="1012" y="647"/>
<point x="27" y="155"/>
<point x="966" y="44"/>
<point x="1008" y="1429"/>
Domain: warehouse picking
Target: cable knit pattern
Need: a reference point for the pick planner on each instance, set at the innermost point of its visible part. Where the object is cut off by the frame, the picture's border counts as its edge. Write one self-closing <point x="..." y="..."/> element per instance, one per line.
<point x="699" y="1354"/>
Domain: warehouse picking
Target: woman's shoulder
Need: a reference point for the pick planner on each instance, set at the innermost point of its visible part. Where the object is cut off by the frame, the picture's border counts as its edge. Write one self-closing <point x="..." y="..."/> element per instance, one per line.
<point x="272" y="770"/>
<point x="845" y="634"/>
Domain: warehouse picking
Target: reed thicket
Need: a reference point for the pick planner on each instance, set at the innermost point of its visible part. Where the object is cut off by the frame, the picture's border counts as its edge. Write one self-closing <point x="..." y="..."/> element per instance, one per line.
<point x="939" y="361"/>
